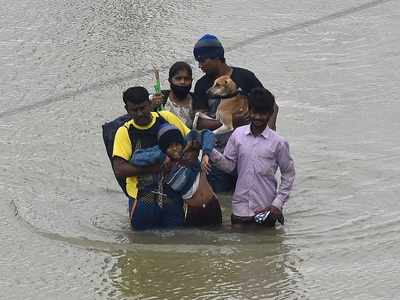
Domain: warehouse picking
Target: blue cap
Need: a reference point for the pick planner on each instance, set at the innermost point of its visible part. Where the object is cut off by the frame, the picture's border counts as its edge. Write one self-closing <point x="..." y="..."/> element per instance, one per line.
<point x="208" y="46"/>
<point x="167" y="135"/>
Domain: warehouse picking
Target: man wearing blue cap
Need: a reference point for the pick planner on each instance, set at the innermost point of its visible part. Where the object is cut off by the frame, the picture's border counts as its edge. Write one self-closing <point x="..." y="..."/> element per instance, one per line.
<point x="209" y="53"/>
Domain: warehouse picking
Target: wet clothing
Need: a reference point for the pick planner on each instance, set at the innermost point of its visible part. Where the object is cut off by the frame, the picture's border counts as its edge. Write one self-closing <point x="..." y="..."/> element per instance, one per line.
<point x="124" y="143"/>
<point x="148" y="205"/>
<point x="208" y="215"/>
<point x="256" y="159"/>
<point x="145" y="214"/>
<point x="187" y="183"/>
<point x="269" y="222"/>
<point x="154" y="155"/>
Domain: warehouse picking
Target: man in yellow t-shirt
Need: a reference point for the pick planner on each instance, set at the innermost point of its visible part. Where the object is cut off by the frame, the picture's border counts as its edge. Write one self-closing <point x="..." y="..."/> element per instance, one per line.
<point x="141" y="132"/>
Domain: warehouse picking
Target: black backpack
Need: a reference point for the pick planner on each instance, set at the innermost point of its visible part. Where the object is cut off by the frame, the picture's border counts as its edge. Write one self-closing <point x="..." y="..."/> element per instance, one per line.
<point x="109" y="131"/>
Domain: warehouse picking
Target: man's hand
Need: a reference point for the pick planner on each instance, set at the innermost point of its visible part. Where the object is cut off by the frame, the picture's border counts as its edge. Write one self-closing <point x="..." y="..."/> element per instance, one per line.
<point x="157" y="100"/>
<point x="262" y="210"/>
<point x="123" y="168"/>
<point x="275" y="211"/>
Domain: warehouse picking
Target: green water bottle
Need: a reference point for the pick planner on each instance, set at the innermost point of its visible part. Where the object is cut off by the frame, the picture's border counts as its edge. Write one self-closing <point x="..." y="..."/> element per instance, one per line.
<point x="157" y="87"/>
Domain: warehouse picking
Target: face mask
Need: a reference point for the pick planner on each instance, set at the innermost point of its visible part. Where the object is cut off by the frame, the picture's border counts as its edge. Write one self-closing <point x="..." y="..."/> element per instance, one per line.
<point x="180" y="91"/>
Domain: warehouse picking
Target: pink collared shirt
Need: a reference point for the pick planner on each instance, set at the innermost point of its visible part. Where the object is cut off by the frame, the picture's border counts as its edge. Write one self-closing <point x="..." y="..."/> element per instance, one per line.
<point x="257" y="159"/>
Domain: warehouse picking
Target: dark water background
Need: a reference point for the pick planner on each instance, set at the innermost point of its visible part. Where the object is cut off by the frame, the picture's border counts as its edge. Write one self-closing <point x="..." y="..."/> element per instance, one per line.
<point x="334" y="68"/>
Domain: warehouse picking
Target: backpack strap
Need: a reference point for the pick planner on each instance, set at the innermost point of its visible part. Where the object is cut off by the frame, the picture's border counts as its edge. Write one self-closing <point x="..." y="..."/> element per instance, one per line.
<point x="145" y="137"/>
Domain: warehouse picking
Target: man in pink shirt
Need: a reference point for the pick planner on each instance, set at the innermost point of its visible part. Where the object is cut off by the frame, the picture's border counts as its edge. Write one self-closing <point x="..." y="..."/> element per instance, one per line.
<point x="256" y="152"/>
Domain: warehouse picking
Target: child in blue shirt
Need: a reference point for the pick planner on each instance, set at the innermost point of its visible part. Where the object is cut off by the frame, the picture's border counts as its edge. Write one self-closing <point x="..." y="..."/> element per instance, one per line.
<point x="184" y="175"/>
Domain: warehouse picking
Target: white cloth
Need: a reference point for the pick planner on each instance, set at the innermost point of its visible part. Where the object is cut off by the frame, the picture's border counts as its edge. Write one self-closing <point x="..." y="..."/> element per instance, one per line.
<point x="189" y="194"/>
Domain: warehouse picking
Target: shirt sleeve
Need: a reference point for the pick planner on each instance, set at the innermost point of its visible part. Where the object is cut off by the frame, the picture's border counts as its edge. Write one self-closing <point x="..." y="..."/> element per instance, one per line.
<point x="246" y="80"/>
<point x="227" y="161"/>
<point x="176" y="121"/>
<point x="207" y="141"/>
<point x="205" y="137"/>
<point x="122" y="144"/>
<point x="287" y="170"/>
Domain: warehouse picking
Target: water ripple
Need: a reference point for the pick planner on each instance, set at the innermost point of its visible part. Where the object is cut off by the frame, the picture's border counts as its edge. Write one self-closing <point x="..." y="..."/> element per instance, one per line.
<point x="141" y="73"/>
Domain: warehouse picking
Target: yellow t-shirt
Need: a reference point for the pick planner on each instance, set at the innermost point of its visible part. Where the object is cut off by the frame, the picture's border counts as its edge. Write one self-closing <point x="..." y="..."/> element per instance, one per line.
<point x="123" y="147"/>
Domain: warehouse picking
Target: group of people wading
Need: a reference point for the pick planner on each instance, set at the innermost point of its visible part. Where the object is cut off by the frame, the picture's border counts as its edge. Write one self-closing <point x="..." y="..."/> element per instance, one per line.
<point x="171" y="165"/>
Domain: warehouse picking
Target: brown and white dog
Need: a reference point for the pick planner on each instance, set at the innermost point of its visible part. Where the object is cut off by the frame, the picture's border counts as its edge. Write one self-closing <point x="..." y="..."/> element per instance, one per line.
<point x="231" y="102"/>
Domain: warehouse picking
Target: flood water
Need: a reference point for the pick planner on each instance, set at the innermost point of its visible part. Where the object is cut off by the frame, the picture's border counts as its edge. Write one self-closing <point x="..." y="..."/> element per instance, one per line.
<point x="64" y="231"/>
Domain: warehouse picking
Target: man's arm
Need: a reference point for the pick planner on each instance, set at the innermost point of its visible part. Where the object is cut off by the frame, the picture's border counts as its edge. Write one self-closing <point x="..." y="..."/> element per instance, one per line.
<point x="122" y="153"/>
<point x="286" y="167"/>
<point x="227" y="161"/>
<point x="123" y="168"/>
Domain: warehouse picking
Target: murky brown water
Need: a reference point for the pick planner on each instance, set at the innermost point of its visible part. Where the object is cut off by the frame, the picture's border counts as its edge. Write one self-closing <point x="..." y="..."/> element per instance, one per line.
<point x="64" y="230"/>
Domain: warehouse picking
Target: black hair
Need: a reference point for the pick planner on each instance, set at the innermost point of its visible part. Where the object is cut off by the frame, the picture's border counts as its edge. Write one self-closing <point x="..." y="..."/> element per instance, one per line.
<point x="261" y="100"/>
<point x="179" y="66"/>
<point x="203" y="58"/>
<point x="135" y="95"/>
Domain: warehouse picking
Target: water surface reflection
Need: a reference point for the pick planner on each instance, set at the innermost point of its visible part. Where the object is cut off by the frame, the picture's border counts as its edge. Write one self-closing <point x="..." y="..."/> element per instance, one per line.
<point x="252" y="265"/>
